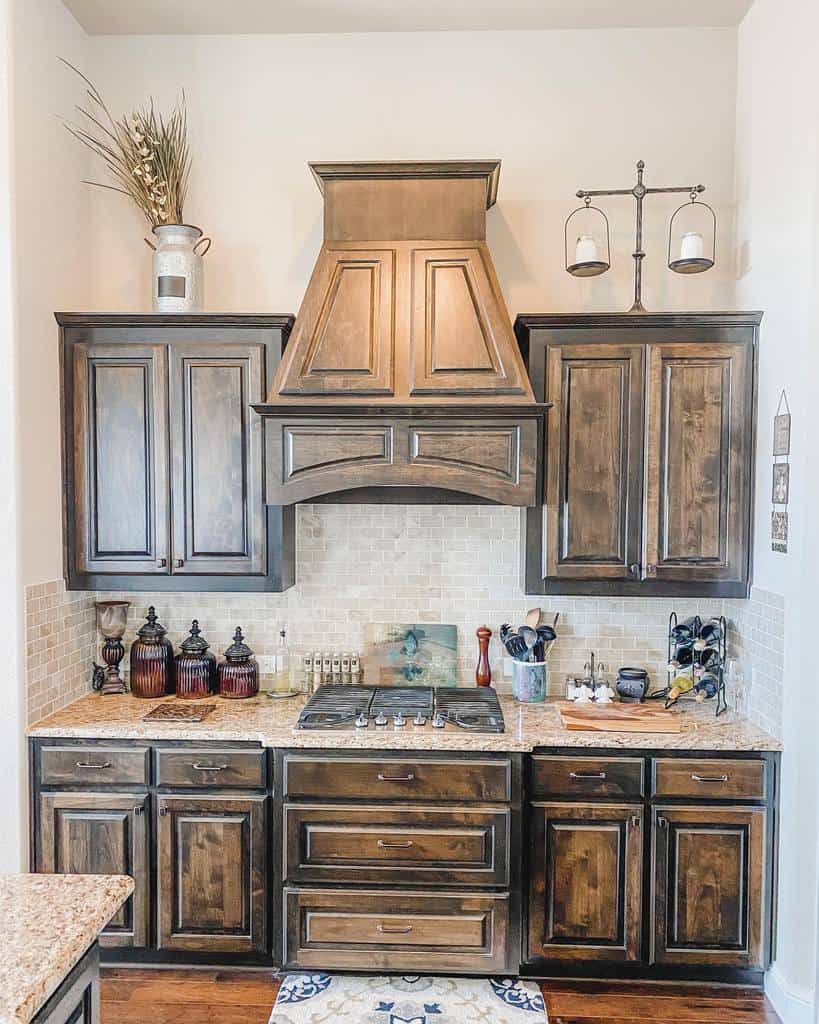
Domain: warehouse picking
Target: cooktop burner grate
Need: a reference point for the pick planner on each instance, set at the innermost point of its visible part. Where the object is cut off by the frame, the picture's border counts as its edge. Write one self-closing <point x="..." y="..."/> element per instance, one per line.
<point x="339" y="706"/>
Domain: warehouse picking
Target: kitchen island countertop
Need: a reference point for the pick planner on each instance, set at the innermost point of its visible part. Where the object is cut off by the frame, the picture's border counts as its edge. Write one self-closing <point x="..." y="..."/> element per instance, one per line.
<point x="271" y="723"/>
<point x="47" y="922"/>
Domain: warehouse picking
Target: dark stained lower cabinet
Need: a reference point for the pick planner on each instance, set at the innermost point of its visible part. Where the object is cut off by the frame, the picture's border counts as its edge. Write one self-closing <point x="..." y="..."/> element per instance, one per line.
<point x="585" y="881"/>
<point x="709" y="871"/>
<point x="101" y="834"/>
<point x="211" y="873"/>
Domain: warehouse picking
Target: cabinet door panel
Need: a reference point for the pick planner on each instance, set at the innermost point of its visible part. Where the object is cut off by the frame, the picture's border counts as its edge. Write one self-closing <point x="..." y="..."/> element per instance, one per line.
<point x="594" y="461"/>
<point x="218" y="509"/>
<point x="708" y="884"/>
<point x="211" y="874"/>
<point x="585" y="886"/>
<point x="697" y="448"/>
<point x="120" y="458"/>
<point x="100" y="834"/>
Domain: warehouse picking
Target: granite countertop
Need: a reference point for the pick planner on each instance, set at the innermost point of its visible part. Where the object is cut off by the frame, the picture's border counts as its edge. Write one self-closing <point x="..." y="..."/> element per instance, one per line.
<point x="272" y="724"/>
<point x="47" y="922"/>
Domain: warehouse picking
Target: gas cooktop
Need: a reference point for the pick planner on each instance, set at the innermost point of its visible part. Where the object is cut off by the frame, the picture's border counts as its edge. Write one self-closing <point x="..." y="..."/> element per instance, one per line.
<point x="339" y="706"/>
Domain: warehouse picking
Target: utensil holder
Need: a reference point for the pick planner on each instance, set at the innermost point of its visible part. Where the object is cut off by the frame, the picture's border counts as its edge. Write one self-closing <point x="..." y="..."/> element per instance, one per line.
<point x="530" y="680"/>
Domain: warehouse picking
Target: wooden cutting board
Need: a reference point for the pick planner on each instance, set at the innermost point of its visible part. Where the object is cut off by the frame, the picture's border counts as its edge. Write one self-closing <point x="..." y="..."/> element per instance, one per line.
<point x="618" y="718"/>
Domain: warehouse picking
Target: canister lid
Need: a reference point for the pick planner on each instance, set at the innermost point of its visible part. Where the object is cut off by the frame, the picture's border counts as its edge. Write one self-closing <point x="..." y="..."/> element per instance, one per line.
<point x="238" y="650"/>
<point x="153" y="629"/>
<point x="195" y="643"/>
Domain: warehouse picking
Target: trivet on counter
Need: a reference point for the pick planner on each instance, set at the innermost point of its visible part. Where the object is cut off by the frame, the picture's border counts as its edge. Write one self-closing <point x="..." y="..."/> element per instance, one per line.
<point x="179" y="712"/>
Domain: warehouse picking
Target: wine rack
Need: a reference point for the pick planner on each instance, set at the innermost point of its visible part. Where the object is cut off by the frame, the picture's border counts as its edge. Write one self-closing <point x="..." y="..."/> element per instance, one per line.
<point x="705" y="637"/>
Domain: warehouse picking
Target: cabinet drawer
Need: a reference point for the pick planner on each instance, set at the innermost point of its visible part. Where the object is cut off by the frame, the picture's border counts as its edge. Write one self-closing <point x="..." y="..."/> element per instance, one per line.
<point x="338" y="929"/>
<point x="94" y="766"/>
<point x="388" y="778"/>
<point x="709" y="777"/>
<point x="557" y="776"/>
<point x="208" y="766"/>
<point x="411" y="845"/>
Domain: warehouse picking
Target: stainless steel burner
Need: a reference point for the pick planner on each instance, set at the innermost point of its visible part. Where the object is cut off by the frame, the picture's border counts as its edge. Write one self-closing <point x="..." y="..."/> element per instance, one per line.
<point x="335" y="706"/>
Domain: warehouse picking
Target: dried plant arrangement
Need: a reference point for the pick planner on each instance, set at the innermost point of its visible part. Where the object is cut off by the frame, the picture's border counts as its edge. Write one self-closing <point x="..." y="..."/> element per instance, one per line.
<point x="146" y="154"/>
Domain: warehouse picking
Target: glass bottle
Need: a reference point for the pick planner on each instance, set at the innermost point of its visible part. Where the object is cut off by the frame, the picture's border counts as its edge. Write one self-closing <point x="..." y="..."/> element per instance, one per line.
<point x="281" y="664"/>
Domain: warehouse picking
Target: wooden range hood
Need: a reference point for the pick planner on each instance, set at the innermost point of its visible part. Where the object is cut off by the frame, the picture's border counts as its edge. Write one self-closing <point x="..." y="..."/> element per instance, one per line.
<point x="402" y="379"/>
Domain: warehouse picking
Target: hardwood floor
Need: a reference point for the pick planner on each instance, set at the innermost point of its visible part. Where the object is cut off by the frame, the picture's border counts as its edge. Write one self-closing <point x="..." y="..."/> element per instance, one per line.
<point x="139" y="996"/>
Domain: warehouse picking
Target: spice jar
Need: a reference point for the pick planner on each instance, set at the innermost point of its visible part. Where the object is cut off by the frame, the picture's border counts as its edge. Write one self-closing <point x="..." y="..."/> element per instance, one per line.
<point x="239" y="672"/>
<point x="152" y="667"/>
<point x="195" y="666"/>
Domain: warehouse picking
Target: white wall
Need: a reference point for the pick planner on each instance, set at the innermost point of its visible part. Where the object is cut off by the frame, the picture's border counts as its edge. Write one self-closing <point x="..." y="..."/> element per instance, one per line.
<point x="559" y="108"/>
<point x="777" y="220"/>
<point x="41" y="245"/>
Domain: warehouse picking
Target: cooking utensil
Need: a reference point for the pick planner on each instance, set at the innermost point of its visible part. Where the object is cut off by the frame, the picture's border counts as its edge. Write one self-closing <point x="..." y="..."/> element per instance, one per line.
<point x="513" y="643"/>
<point x="534" y="617"/>
<point x="530" y="638"/>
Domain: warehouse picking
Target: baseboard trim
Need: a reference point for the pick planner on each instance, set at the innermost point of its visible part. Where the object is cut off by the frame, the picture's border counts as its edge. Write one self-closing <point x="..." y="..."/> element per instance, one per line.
<point x="794" y="1005"/>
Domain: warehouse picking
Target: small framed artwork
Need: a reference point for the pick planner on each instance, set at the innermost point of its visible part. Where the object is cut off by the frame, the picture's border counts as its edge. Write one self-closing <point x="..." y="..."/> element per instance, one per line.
<point x="781" y="482"/>
<point x="782" y="434"/>
<point x="779" y="531"/>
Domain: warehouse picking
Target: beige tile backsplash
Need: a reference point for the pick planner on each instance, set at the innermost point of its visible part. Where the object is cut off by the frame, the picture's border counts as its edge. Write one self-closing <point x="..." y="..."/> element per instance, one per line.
<point x="399" y="563"/>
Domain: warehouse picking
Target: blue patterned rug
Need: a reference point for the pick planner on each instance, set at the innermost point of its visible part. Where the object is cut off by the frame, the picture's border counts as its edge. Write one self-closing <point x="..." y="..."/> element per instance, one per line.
<point x="350" y="999"/>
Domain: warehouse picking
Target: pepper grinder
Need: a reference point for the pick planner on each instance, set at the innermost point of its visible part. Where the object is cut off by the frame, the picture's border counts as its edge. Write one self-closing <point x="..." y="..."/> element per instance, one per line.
<point x="483" y="673"/>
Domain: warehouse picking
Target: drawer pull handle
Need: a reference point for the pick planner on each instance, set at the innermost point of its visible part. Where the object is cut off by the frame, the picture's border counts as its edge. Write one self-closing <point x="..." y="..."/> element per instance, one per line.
<point x="394" y="846"/>
<point x="587" y="775"/>
<point x="409" y="777"/>
<point x="398" y="930"/>
<point x="91" y="764"/>
<point x="208" y="767"/>
<point x="709" y="778"/>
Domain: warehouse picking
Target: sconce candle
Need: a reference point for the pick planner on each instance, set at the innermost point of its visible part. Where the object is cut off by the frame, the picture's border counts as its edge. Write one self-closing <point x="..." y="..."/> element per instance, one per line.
<point x="585" y="250"/>
<point x="692" y="246"/>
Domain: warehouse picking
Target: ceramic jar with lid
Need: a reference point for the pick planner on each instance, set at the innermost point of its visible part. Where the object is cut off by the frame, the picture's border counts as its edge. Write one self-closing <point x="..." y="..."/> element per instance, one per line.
<point x="152" y="666"/>
<point x="195" y="666"/>
<point x="238" y="673"/>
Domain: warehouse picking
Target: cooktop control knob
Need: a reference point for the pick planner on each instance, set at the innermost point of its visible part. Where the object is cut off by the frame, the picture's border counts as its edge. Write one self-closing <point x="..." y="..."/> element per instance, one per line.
<point x="380" y="719"/>
<point x="398" y="720"/>
<point x="419" y="719"/>
<point x="361" y="721"/>
<point x="438" y="721"/>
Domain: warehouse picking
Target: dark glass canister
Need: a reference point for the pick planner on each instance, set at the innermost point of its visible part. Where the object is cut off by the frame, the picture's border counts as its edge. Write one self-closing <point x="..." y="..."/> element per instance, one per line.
<point x="239" y="672"/>
<point x="195" y="666"/>
<point x="152" y="667"/>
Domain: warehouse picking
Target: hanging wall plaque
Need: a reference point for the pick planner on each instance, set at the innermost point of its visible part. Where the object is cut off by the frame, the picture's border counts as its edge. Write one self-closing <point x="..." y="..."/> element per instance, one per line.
<point x="780" y="484"/>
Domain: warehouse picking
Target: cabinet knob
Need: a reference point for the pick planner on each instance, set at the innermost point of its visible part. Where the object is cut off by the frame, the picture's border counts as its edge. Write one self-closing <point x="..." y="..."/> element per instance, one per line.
<point x="635" y="821"/>
<point x="161" y="563"/>
<point x="178" y="563"/>
<point x="661" y="821"/>
<point x="651" y="570"/>
<point x="634" y="569"/>
<point x="137" y="810"/>
<point x="163" y="810"/>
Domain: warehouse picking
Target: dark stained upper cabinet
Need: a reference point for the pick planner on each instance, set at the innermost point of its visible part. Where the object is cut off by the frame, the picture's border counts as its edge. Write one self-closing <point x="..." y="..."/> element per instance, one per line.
<point x="163" y="456"/>
<point x="649" y="453"/>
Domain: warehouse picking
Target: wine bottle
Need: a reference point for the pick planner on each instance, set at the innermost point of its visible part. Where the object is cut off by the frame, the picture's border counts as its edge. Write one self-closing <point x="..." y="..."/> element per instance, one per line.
<point x="681" y="684"/>
<point x="706" y="687"/>
<point x="683" y="655"/>
<point x="686" y="630"/>
<point x="710" y="635"/>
